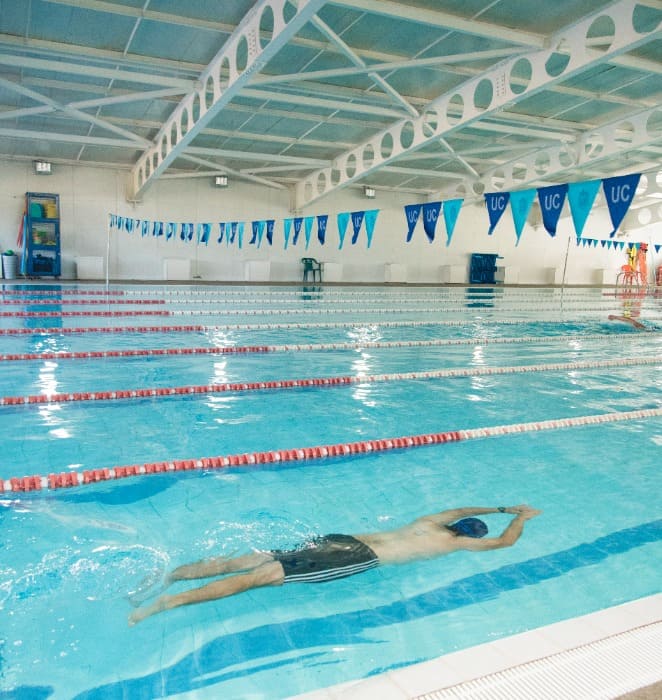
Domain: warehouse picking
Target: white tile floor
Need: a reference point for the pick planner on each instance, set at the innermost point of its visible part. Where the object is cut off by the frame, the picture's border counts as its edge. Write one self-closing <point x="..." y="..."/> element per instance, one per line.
<point x="634" y="619"/>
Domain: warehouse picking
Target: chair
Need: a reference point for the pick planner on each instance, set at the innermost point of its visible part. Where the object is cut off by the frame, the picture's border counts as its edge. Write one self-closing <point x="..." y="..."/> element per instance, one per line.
<point x="310" y="265"/>
<point x="628" y="276"/>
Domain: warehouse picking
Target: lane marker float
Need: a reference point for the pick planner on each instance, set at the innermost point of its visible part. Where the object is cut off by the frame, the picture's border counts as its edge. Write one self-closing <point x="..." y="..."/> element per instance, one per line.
<point x="91" y="476"/>
<point x="165" y="392"/>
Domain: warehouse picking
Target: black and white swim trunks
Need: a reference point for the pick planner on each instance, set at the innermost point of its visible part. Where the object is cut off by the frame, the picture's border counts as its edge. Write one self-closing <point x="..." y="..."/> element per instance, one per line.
<point x="325" y="559"/>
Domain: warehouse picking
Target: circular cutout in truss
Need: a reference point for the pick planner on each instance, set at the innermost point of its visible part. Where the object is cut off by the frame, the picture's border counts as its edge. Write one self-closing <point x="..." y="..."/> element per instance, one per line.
<point x="558" y="60"/>
<point x="601" y="33"/>
<point x="624" y="133"/>
<point x="455" y="109"/>
<point x="368" y="156"/>
<point x="644" y="216"/>
<point x="307" y="191"/>
<point x="290" y="10"/>
<point x="430" y="122"/>
<point x="483" y="94"/>
<point x="350" y="166"/>
<point x="567" y="156"/>
<point x="654" y="124"/>
<point x="173" y="135"/>
<point x="321" y="182"/>
<point x="593" y="145"/>
<point x="155" y="160"/>
<point x="478" y="187"/>
<point x="184" y="119"/>
<point x="195" y="112"/>
<point x="209" y="92"/>
<point x="407" y="134"/>
<point x="541" y="163"/>
<point x="387" y="145"/>
<point x="241" y="54"/>
<point x="224" y="73"/>
<point x="520" y="75"/>
<point x="164" y="147"/>
<point x="642" y="185"/>
<point x="498" y="179"/>
<point x="335" y="176"/>
<point x="266" y="26"/>
<point x="645" y="19"/>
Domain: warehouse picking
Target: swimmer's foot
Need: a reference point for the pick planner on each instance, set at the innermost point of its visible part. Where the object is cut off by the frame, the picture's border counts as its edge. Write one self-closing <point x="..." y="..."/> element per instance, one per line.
<point x="139" y="614"/>
<point x="150" y="586"/>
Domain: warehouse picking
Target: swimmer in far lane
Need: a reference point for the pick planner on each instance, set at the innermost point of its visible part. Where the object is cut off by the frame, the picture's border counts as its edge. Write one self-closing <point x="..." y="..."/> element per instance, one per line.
<point x="337" y="556"/>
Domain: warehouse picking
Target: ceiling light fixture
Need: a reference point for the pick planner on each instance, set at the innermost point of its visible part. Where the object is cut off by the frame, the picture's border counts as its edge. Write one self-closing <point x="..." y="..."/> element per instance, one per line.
<point x="369" y="192"/>
<point x="221" y="181"/>
<point x="42" y="167"/>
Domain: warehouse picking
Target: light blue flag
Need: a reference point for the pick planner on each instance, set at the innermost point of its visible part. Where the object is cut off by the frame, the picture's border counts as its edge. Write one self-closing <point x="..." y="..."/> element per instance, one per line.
<point x="451" y="212"/>
<point x="240" y="233"/>
<point x="581" y="196"/>
<point x="170" y="230"/>
<point x="370" y="220"/>
<point x="144" y="228"/>
<point x="308" y="228"/>
<point x="287" y="227"/>
<point x="343" y="220"/>
<point x="520" y="205"/>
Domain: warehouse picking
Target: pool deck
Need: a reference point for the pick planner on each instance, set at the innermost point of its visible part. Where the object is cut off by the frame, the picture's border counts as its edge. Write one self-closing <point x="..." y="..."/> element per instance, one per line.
<point x="601" y="655"/>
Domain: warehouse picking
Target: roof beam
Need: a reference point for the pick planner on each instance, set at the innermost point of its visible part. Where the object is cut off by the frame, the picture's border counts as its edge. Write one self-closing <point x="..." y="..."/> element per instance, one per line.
<point x="479" y="97"/>
<point x="245" y="52"/>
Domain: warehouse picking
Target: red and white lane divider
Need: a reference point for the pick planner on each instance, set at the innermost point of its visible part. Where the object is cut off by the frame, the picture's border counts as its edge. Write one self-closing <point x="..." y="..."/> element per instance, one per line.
<point x="80" y="302"/>
<point x="189" y="328"/>
<point x="58" y="291"/>
<point x="165" y="392"/>
<point x="308" y="347"/>
<point x="91" y="476"/>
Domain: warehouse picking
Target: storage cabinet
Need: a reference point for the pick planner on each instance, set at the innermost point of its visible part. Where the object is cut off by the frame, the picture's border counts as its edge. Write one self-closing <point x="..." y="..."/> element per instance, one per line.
<point x="41" y="238"/>
<point x="482" y="269"/>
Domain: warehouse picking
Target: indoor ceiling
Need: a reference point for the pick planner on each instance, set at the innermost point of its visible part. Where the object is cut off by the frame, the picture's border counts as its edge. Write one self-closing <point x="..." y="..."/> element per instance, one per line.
<point x="432" y="98"/>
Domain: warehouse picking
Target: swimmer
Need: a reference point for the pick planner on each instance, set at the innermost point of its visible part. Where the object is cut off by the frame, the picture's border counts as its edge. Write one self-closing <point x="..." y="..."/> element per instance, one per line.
<point x="626" y="319"/>
<point x="337" y="556"/>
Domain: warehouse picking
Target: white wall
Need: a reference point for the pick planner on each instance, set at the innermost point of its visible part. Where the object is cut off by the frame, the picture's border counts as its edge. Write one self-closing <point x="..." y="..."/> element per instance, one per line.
<point x="88" y="195"/>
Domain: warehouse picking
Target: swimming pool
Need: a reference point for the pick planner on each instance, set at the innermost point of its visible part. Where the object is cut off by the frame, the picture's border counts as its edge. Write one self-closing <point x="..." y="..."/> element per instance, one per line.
<point x="70" y="556"/>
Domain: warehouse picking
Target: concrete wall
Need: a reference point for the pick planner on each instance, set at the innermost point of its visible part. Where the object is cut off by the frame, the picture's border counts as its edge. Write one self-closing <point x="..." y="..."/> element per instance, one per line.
<point x="88" y="195"/>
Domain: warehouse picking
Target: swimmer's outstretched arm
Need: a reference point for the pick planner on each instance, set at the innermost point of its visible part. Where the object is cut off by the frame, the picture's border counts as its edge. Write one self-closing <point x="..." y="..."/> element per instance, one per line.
<point x="506" y="539"/>
<point x="450" y="516"/>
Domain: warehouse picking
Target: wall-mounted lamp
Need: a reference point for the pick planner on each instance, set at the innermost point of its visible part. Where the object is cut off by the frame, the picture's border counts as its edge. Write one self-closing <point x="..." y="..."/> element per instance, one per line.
<point x="42" y="167"/>
<point x="369" y="192"/>
<point x="221" y="181"/>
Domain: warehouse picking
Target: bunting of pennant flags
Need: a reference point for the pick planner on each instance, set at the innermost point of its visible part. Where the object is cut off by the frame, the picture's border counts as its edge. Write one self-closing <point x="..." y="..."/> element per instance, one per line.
<point x="232" y="232"/>
<point x="431" y="212"/>
<point x="619" y="193"/>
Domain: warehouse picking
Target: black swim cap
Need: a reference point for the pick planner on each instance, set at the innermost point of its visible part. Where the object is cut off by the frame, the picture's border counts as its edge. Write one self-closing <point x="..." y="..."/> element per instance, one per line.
<point x="469" y="527"/>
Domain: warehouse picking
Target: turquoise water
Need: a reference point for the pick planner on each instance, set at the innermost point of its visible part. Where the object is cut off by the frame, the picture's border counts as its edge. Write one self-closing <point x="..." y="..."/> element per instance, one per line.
<point x="68" y="558"/>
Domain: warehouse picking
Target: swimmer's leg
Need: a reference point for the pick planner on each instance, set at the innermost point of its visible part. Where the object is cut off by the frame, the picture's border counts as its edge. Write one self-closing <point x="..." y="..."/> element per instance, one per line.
<point x="268" y="574"/>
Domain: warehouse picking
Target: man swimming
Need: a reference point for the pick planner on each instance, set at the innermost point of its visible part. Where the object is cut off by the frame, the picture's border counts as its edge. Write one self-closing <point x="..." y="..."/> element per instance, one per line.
<point x="337" y="556"/>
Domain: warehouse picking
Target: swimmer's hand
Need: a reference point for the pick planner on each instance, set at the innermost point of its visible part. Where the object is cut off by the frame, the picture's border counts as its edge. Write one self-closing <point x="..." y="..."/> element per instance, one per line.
<point x="523" y="511"/>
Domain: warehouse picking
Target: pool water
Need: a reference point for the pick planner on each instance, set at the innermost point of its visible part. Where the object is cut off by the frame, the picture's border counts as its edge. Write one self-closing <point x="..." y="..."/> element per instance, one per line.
<point x="70" y="557"/>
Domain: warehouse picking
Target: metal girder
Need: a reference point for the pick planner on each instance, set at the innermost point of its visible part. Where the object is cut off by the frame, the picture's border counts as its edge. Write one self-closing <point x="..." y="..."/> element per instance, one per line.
<point x="483" y="95"/>
<point x="245" y="52"/>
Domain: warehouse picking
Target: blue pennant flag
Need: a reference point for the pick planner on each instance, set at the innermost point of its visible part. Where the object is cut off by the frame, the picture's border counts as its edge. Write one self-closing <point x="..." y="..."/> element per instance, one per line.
<point x="520" y="206"/>
<point x="240" y="233"/>
<point x="254" y="226"/>
<point x="619" y="192"/>
<point x="270" y="223"/>
<point x="260" y="232"/>
<point x="308" y="228"/>
<point x="128" y="225"/>
<point x="370" y="220"/>
<point x="287" y="227"/>
<point x="581" y="196"/>
<point x="412" y="212"/>
<point x="298" y="222"/>
<point x="322" y="221"/>
<point x="430" y="217"/>
<point x="203" y="233"/>
<point x="551" y="201"/>
<point x="157" y="228"/>
<point x="343" y="220"/>
<point x="496" y="203"/>
<point x="144" y="228"/>
<point x="221" y="232"/>
<point x="233" y="232"/>
<point x="171" y="229"/>
<point x="357" y="220"/>
<point x="451" y="212"/>
<point x="112" y="218"/>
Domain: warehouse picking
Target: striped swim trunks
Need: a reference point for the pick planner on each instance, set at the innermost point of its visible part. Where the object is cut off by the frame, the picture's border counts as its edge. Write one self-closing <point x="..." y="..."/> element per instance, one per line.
<point x="325" y="559"/>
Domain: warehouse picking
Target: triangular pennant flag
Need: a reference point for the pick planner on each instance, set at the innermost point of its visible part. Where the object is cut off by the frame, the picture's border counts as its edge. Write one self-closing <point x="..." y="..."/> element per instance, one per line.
<point x="308" y="228"/>
<point x="430" y="218"/>
<point x="203" y="233"/>
<point x="496" y="203"/>
<point x="144" y="228"/>
<point x="657" y="247"/>
<point x="581" y="196"/>
<point x="254" y="228"/>
<point x="128" y="225"/>
<point x="343" y="220"/>
<point x="270" y="230"/>
<point x="233" y="232"/>
<point x="297" y="229"/>
<point x="287" y="227"/>
<point x="221" y="232"/>
<point x="619" y="192"/>
<point x="520" y="206"/>
<point x="370" y="220"/>
<point x="357" y="220"/>
<point x="451" y="212"/>
<point x="170" y="230"/>
<point x="322" y="221"/>
<point x="157" y="228"/>
<point x="412" y="212"/>
<point x="551" y="201"/>
<point x="240" y="233"/>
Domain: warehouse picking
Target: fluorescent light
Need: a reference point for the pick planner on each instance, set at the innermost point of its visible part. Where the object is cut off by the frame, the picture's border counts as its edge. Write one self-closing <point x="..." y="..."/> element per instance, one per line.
<point x="369" y="192"/>
<point x="221" y="181"/>
<point x="42" y="167"/>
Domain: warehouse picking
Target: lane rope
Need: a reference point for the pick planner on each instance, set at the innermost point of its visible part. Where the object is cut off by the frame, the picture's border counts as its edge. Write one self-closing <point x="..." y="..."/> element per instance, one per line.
<point x="55" y="481"/>
<point x="165" y="392"/>
<point x="307" y="347"/>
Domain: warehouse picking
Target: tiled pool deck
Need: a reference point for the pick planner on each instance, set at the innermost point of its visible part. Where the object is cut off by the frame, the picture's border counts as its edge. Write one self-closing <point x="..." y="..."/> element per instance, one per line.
<point x="601" y="655"/>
